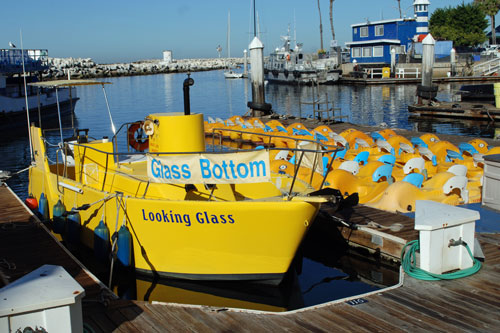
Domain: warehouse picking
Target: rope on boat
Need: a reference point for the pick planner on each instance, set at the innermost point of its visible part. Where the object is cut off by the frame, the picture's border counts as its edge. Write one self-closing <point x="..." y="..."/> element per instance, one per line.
<point x="87" y="206"/>
<point x="114" y="237"/>
<point x="4" y="175"/>
<point x="408" y="262"/>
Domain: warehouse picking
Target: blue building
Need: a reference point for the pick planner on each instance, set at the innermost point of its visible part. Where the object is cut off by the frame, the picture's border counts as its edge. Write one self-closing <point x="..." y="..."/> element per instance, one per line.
<point x="372" y="42"/>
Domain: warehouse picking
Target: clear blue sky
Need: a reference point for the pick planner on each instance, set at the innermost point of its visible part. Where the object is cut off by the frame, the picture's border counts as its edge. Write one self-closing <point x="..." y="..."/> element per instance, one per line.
<point x="125" y="30"/>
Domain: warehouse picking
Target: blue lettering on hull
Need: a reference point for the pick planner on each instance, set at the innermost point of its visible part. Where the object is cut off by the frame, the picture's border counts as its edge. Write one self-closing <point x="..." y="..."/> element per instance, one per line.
<point x="171" y="217"/>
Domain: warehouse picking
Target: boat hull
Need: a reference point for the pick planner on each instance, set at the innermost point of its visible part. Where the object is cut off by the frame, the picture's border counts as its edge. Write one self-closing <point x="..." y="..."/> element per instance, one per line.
<point x="13" y="121"/>
<point x="302" y="77"/>
<point x="198" y="240"/>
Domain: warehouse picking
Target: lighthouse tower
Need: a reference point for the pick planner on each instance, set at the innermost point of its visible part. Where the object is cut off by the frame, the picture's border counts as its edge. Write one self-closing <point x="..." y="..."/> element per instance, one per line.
<point x="421" y="8"/>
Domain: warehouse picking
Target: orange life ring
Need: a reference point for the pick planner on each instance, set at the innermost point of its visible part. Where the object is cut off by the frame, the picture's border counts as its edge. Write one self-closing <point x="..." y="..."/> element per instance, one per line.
<point x="288" y="57"/>
<point x="135" y="137"/>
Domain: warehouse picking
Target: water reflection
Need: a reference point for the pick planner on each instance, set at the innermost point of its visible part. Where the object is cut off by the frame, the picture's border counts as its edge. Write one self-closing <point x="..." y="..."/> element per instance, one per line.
<point x="323" y="270"/>
<point x="243" y="295"/>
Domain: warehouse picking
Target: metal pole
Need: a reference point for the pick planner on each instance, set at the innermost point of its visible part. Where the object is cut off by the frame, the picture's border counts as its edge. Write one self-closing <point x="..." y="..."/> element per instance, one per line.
<point x="59" y="115"/>
<point x="71" y="108"/>
<point x="245" y="63"/>
<point x="393" y="60"/>
<point x="257" y="74"/>
<point x="453" y="62"/>
<point x="109" y="111"/>
<point x="26" y="96"/>
<point x="427" y="60"/>
<point x="39" y="111"/>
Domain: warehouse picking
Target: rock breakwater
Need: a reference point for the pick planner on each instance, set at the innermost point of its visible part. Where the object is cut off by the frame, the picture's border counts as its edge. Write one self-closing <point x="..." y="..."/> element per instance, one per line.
<point x="86" y="68"/>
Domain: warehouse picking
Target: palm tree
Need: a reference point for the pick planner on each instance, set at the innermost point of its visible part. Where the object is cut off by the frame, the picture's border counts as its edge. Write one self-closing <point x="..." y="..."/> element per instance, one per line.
<point x="320" y="27"/>
<point x="490" y="8"/>
<point x="331" y="19"/>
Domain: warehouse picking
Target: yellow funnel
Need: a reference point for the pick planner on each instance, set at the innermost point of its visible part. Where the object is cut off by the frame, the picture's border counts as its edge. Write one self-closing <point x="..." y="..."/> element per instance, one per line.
<point x="175" y="132"/>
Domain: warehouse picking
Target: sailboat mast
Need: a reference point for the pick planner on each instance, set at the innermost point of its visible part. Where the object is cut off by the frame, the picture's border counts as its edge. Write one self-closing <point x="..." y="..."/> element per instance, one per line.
<point x="254" y="21"/>
<point x="229" y="34"/>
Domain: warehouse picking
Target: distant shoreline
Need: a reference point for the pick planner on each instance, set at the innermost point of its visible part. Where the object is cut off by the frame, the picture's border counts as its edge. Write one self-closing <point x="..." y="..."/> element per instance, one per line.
<point x="86" y="68"/>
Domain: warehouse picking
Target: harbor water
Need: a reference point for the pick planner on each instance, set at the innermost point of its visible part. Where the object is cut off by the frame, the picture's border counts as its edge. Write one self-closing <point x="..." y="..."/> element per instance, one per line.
<point x="322" y="272"/>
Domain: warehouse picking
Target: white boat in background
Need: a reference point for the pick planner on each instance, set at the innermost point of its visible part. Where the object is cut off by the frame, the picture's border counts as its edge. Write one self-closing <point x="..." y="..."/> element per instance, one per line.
<point x="229" y="73"/>
<point x="292" y="66"/>
<point x="41" y="102"/>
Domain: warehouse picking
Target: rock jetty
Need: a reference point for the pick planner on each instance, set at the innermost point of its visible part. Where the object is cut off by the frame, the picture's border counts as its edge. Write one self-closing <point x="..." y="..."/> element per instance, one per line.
<point x="86" y="68"/>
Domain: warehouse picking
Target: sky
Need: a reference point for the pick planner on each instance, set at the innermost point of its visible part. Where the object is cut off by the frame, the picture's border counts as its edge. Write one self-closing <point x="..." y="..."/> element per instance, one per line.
<point x="125" y="30"/>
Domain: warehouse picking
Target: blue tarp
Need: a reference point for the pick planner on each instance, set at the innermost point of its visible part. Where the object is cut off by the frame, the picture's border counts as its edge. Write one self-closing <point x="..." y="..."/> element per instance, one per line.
<point x="441" y="50"/>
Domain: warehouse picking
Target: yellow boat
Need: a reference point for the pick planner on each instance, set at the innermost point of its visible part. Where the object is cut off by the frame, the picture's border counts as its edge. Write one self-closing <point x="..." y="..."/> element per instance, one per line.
<point x="225" y="220"/>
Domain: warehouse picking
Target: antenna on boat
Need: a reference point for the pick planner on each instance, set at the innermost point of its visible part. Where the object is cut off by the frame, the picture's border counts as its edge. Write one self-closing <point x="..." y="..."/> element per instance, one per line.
<point x="294" y="31"/>
<point x="26" y="95"/>
<point x="109" y="111"/>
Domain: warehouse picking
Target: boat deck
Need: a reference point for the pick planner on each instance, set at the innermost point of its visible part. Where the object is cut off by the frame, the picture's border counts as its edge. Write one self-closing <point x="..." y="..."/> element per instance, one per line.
<point x="468" y="304"/>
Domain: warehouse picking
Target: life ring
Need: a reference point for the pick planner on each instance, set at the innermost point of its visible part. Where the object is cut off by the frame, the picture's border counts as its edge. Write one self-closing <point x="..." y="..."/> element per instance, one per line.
<point x="136" y="138"/>
<point x="287" y="57"/>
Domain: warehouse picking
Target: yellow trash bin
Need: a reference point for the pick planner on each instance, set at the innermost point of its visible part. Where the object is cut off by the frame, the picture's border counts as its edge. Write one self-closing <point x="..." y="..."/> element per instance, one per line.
<point x="386" y="72"/>
<point x="496" y="88"/>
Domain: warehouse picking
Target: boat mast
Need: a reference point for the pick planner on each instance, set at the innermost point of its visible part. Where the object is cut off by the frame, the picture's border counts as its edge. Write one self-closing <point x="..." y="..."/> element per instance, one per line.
<point x="228" y="38"/>
<point x="26" y="96"/>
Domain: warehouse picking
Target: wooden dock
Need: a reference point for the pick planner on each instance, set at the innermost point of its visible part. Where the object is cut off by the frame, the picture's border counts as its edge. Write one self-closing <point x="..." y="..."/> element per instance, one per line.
<point x="392" y="80"/>
<point x="458" y="110"/>
<point x="381" y="232"/>
<point x="469" y="304"/>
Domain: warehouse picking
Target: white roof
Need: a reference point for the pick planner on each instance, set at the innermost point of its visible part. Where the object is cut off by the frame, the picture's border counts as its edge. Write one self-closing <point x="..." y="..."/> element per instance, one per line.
<point x="373" y="41"/>
<point x="421" y="2"/>
<point x="380" y="22"/>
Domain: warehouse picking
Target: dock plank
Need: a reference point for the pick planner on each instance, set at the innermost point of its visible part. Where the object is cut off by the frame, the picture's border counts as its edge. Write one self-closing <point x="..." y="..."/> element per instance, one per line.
<point x="401" y="317"/>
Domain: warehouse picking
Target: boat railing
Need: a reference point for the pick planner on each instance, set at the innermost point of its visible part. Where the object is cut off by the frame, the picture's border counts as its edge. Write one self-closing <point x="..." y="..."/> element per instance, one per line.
<point x="11" y="60"/>
<point x="322" y="148"/>
<point x="66" y="148"/>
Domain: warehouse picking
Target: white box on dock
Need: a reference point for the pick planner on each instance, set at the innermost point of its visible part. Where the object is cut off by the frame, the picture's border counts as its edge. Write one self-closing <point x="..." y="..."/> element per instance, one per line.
<point x="491" y="181"/>
<point x="438" y="225"/>
<point x="47" y="298"/>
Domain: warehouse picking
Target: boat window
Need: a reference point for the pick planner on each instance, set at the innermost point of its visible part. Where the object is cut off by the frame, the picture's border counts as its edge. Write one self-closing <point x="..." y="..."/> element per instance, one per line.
<point x="363" y="32"/>
<point x="301" y="56"/>
<point x="367" y="51"/>
<point x="355" y="30"/>
<point x="378" y="51"/>
<point x="379" y="30"/>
